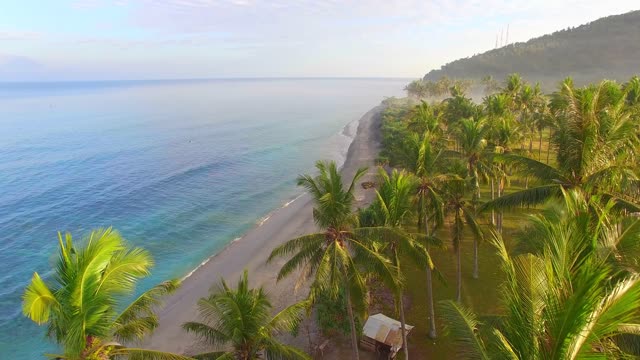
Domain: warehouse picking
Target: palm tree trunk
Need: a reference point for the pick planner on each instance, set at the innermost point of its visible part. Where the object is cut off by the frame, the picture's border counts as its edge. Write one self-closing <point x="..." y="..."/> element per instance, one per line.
<point x="549" y="147"/>
<point x="405" y="344"/>
<point x="475" y="258"/>
<point x="473" y="173"/>
<point x="432" y="313"/>
<point x="352" y="322"/>
<point x="500" y="192"/>
<point x="421" y="209"/>
<point x="459" y="274"/>
<point x="540" y="147"/>
<point x="493" y="197"/>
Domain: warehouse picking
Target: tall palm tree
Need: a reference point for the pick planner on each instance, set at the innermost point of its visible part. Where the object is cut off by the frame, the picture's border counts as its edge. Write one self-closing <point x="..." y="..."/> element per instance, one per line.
<point x="430" y="205"/>
<point x="394" y="206"/>
<point x="80" y="305"/>
<point x="596" y="139"/>
<point x="472" y="138"/>
<point x="338" y="257"/>
<point x="463" y="214"/>
<point x="566" y="300"/>
<point x="241" y="320"/>
<point x="504" y="132"/>
<point x="532" y="110"/>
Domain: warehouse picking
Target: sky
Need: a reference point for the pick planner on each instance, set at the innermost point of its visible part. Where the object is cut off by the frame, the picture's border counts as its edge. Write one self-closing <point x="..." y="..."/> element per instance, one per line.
<point x="43" y="40"/>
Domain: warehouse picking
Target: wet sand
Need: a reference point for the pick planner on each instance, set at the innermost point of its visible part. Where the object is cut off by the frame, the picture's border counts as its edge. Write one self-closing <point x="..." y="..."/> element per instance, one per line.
<point x="252" y="250"/>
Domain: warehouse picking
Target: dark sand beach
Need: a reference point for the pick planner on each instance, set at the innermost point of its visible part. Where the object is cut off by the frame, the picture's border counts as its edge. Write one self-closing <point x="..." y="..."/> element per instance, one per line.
<point x="251" y="251"/>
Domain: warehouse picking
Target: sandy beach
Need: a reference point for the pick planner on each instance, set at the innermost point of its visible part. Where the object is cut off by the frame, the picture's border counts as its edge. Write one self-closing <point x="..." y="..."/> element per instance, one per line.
<point x="252" y="250"/>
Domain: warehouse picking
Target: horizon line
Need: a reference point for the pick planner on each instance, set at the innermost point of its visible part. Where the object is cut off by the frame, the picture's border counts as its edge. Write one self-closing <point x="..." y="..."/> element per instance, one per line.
<point x="213" y="78"/>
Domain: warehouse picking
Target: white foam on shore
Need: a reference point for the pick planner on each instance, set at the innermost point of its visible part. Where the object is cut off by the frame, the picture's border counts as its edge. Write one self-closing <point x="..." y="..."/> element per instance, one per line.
<point x="342" y="142"/>
<point x="209" y="259"/>
<point x="264" y="220"/>
<point x="291" y="201"/>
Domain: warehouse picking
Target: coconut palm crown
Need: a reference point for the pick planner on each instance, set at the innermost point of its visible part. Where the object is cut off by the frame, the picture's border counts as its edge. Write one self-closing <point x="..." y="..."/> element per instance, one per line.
<point x="240" y="319"/>
<point x="569" y="298"/>
<point x="81" y="306"/>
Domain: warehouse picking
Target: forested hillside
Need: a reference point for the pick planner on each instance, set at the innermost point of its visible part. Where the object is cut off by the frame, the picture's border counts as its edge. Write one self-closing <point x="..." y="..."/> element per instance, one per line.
<point x="606" y="48"/>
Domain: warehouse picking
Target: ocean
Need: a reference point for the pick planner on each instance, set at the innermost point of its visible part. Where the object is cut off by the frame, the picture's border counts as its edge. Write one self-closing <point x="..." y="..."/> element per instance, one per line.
<point x="181" y="168"/>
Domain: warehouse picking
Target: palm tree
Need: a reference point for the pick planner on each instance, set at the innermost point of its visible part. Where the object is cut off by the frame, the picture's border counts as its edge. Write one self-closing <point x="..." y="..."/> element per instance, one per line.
<point x="632" y="91"/>
<point x="472" y="138"/>
<point x="512" y="87"/>
<point x="430" y="205"/>
<point x="596" y="138"/>
<point x="568" y="299"/>
<point x="241" y="320"/>
<point x="416" y="88"/>
<point x="540" y="118"/>
<point x="80" y="305"/>
<point x="394" y="207"/>
<point x="462" y="214"/>
<point x="424" y="117"/>
<point x="337" y="257"/>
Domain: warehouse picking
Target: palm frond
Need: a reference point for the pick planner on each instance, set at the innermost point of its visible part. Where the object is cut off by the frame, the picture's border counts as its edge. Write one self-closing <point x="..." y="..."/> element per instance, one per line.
<point x="38" y="300"/>
<point x="290" y="318"/>
<point x="275" y="350"/>
<point x="306" y="248"/>
<point x="144" y="354"/>
<point x="214" y="355"/>
<point x="138" y="319"/>
<point x="530" y="167"/>
<point x="212" y="335"/>
<point x="462" y="326"/>
<point x="377" y="264"/>
<point x="124" y="269"/>
<point x="524" y="198"/>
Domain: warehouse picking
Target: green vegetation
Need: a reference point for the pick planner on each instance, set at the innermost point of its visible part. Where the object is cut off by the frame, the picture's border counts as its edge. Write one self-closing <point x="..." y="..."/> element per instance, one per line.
<point x="241" y="319"/>
<point x="593" y="132"/>
<point x="569" y="295"/>
<point x="80" y="307"/>
<point x="436" y="89"/>
<point x="605" y="48"/>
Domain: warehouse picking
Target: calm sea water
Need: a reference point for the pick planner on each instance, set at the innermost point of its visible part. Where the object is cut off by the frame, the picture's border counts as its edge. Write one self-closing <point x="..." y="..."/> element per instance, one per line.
<point x="179" y="167"/>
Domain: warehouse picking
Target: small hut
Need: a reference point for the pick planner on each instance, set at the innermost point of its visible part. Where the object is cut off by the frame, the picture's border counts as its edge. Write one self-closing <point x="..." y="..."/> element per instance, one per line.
<point x="382" y="335"/>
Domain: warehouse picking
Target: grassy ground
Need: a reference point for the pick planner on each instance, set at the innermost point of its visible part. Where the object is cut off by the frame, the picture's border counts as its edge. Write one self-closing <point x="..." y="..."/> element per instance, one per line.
<point x="482" y="295"/>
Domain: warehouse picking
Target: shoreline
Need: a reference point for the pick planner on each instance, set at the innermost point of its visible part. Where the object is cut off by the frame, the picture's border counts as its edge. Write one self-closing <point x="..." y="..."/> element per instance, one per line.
<point x="251" y="250"/>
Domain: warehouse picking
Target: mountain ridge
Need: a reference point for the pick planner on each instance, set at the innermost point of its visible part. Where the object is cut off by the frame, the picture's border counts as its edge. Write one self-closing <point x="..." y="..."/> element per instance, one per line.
<point x="608" y="47"/>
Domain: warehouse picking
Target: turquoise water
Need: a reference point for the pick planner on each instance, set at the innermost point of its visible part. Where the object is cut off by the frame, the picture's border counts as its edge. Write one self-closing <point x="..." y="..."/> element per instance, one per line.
<point x="179" y="167"/>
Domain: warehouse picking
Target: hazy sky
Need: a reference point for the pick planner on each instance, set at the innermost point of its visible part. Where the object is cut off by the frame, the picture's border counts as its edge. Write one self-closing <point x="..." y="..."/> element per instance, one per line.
<point x="145" y="39"/>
